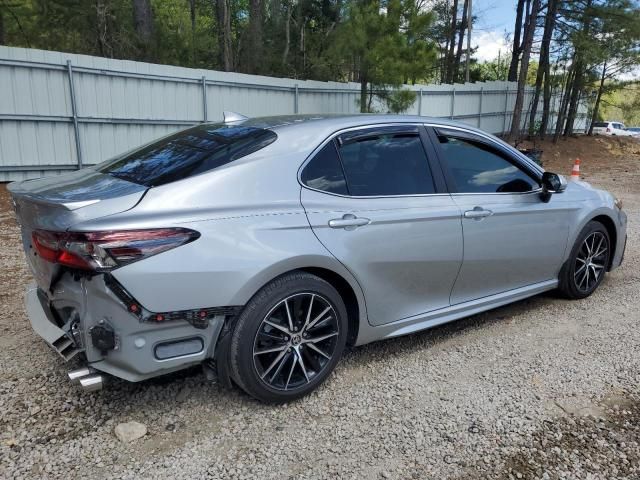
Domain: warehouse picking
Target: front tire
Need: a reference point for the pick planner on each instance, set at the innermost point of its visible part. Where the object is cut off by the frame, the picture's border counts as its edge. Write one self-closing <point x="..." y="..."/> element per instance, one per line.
<point x="583" y="272"/>
<point x="288" y="338"/>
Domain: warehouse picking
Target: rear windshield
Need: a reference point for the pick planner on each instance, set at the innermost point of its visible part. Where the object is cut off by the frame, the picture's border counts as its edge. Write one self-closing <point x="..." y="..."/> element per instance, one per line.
<point x="187" y="153"/>
<point x="601" y="124"/>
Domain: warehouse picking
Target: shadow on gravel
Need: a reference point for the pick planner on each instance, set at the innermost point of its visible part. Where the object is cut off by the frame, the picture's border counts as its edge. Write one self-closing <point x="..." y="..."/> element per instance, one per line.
<point x="433" y="337"/>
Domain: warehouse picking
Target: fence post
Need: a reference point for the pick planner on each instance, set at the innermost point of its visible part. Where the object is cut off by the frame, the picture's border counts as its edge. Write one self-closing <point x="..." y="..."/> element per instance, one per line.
<point x="453" y="102"/>
<point x="506" y="104"/>
<point x="420" y="103"/>
<point x="480" y="108"/>
<point x="295" y="99"/>
<point x="74" y="111"/>
<point x="204" y="99"/>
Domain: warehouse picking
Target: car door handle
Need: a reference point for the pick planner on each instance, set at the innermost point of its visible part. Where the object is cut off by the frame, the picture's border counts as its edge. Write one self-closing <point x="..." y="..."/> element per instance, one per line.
<point x="478" y="213"/>
<point x="349" y="222"/>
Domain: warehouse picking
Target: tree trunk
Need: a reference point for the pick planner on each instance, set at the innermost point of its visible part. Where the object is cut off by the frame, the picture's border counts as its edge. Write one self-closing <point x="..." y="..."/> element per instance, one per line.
<point x="546" y="102"/>
<point x="580" y="72"/>
<point x="452" y="42"/>
<point x="524" y="69"/>
<point x="515" y="51"/>
<point x="287" y="34"/>
<point x="543" y="66"/>
<point x="363" y="94"/>
<point x="576" y="89"/>
<point x="253" y="53"/>
<point x="2" y="40"/>
<point x="565" y="102"/>
<point x="102" y="29"/>
<point x="143" y="23"/>
<point x="192" y="14"/>
<point x="462" y="28"/>
<point x="224" y="35"/>
<point x="596" y="107"/>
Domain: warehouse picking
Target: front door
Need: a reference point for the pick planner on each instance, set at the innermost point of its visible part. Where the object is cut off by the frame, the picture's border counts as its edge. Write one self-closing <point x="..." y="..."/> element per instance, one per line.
<point x="512" y="238"/>
<point x="373" y="202"/>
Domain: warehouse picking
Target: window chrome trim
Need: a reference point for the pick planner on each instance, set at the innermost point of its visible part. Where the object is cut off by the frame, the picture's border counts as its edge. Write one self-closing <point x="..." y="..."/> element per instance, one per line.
<point x="336" y="134"/>
<point x="537" y="191"/>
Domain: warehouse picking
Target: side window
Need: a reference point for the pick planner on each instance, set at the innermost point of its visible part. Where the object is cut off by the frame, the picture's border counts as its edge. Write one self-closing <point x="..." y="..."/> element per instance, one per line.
<point x="324" y="172"/>
<point x="476" y="168"/>
<point x="386" y="164"/>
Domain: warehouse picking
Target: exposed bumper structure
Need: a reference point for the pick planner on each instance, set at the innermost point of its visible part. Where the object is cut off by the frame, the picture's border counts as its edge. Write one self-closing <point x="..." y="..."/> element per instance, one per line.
<point x="44" y="324"/>
<point x="69" y="318"/>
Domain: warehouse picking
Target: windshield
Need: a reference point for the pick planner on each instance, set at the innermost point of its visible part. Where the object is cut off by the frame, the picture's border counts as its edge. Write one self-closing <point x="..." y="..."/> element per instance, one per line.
<point x="187" y="153"/>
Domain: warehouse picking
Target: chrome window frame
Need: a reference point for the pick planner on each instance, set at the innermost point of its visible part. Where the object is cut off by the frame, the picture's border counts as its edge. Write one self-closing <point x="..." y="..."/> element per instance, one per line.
<point x="518" y="157"/>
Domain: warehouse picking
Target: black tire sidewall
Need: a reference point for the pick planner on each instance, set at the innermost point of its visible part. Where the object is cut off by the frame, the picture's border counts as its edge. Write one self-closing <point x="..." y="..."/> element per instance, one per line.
<point x="569" y="287"/>
<point x="241" y="350"/>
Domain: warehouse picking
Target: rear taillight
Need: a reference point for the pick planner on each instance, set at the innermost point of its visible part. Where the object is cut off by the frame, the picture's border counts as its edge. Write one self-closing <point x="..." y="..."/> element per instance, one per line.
<point x="608" y="130"/>
<point x="104" y="251"/>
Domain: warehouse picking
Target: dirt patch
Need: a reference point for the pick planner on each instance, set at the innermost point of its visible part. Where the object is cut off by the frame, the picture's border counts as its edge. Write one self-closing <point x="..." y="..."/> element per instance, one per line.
<point x="598" y="154"/>
<point x="583" y="446"/>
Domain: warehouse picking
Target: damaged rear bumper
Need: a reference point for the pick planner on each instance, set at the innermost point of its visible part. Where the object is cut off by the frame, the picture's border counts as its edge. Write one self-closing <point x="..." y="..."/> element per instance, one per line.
<point x="68" y="319"/>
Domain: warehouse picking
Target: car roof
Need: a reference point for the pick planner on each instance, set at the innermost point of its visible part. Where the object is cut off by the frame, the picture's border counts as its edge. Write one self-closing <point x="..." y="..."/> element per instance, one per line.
<point x="341" y="121"/>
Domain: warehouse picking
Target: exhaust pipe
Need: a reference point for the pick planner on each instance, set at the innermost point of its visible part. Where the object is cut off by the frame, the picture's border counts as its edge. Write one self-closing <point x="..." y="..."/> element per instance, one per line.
<point x="76" y="375"/>
<point x="91" y="383"/>
<point x="87" y="378"/>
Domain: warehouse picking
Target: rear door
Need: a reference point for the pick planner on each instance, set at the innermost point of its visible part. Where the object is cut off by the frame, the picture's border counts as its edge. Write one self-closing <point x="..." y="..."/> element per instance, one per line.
<point x="512" y="238"/>
<point x="376" y="203"/>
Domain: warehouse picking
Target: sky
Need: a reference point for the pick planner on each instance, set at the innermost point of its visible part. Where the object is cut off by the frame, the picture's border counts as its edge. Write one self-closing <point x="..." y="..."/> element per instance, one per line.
<point x="494" y="18"/>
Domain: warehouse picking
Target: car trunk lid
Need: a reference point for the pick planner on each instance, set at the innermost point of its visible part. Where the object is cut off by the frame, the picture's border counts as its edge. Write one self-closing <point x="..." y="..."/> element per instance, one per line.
<point x="57" y="203"/>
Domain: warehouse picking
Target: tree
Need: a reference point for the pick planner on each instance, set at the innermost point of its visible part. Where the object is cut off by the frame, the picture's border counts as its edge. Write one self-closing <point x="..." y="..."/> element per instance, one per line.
<point x="617" y="50"/>
<point x="223" y="18"/>
<point x="2" y="40"/>
<point x="527" y="43"/>
<point x="143" y="25"/>
<point x="516" y="47"/>
<point x="452" y="42"/>
<point x="385" y="49"/>
<point x="253" y="53"/>
<point x="462" y="28"/>
<point x="544" y="71"/>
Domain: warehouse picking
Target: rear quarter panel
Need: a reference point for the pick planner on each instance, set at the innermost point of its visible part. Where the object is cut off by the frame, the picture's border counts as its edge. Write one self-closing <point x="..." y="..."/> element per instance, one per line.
<point x="252" y="224"/>
<point x="228" y="264"/>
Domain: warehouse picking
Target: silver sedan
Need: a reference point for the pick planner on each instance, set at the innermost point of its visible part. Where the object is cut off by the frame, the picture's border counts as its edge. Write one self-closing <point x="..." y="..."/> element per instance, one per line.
<point x="262" y="247"/>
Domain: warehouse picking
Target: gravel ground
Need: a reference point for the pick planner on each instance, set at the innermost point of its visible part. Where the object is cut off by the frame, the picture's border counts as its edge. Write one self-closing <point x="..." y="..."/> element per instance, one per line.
<point x="544" y="388"/>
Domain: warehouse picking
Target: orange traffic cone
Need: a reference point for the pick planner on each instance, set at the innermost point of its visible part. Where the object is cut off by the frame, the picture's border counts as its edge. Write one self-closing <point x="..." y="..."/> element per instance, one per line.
<point x="575" y="173"/>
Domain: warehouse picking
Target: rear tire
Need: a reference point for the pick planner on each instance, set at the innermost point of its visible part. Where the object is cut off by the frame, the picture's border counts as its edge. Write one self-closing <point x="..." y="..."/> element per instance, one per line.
<point x="586" y="267"/>
<point x="288" y="338"/>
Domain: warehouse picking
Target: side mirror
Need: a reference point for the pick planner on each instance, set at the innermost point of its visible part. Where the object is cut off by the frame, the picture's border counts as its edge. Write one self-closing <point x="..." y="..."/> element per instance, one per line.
<point x="552" y="183"/>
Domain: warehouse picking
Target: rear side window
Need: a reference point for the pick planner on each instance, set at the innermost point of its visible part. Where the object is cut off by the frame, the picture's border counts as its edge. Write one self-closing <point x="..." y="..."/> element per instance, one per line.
<point x="187" y="153"/>
<point x="324" y="172"/>
<point x="386" y="165"/>
<point x="601" y="124"/>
